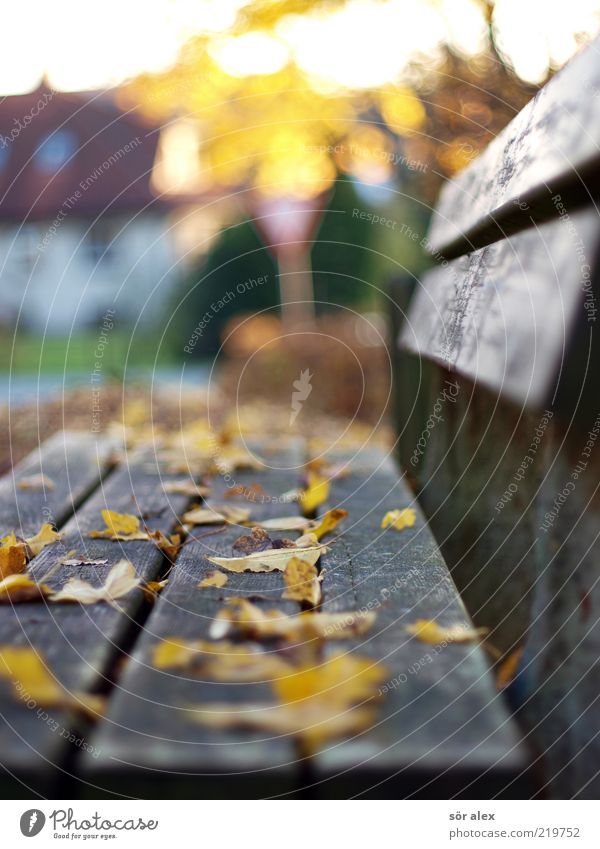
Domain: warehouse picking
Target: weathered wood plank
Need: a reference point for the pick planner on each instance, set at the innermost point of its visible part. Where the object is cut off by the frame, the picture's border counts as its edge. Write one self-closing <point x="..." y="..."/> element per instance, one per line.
<point x="550" y="147"/>
<point x="147" y="745"/>
<point x="505" y="315"/>
<point x="80" y="644"/>
<point x="73" y="461"/>
<point x="440" y="725"/>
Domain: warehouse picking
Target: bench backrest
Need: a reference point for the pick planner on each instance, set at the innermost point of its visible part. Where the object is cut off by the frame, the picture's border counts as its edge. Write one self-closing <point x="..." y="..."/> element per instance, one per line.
<point x="498" y="409"/>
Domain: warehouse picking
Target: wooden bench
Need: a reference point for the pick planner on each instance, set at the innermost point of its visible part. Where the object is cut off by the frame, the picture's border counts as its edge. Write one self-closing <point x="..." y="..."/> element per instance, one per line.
<point x="440" y="728"/>
<point x="497" y="375"/>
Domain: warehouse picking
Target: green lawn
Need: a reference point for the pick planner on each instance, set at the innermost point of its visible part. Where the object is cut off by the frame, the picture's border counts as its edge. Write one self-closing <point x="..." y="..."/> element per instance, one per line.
<point x="77" y="353"/>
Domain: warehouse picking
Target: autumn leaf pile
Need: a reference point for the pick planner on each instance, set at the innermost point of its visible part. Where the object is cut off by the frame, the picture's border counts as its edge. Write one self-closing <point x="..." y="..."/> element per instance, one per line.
<point x="317" y="693"/>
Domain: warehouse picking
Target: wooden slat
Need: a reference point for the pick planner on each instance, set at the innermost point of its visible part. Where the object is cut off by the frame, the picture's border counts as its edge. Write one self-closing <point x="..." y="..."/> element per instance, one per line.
<point x="79" y="644"/>
<point x="505" y="315"/>
<point x="73" y="461"/>
<point x="147" y="745"/>
<point x="440" y="724"/>
<point x="550" y="147"/>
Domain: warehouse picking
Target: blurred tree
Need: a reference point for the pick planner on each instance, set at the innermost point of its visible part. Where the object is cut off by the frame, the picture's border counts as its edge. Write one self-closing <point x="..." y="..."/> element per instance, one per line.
<point x="203" y="298"/>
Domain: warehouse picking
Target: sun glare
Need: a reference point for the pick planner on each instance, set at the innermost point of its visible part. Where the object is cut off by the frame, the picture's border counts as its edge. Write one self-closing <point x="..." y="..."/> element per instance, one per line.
<point x="363" y="44"/>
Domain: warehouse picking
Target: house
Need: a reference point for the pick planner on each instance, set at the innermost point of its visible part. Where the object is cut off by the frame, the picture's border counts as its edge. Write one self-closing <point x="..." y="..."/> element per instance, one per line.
<point x="83" y="227"/>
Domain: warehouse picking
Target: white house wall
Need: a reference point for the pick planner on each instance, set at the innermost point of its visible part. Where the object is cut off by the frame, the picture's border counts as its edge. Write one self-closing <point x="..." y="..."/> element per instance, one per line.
<point x="53" y="279"/>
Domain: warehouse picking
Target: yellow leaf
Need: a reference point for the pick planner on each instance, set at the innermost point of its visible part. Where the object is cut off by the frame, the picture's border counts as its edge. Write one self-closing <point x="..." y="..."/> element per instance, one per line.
<point x="343" y="678"/>
<point x="121" y="579"/>
<point x="303" y="582"/>
<point x="13" y="556"/>
<point x="153" y="588"/>
<point x="329" y="522"/>
<point x="317" y="702"/>
<point x="508" y="668"/>
<point x="429" y="631"/>
<point x="271" y="560"/>
<point x="45" y="536"/>
<point x="399" y="519"/>
<point x="214" y="579"/>
<point x="219" y="661"/>
<point x="31" y="680"/>
<point x="20" y="588"/>
<point x="250" y="621"/>
<point x="222" y="514"/>
<point x="120" y="526"/>
<point x="315" y="494"/>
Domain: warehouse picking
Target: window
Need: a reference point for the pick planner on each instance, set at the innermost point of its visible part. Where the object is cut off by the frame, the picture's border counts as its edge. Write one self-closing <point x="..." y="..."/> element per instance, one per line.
<point x="99" y="245"/>
<point x="55" y="149"/>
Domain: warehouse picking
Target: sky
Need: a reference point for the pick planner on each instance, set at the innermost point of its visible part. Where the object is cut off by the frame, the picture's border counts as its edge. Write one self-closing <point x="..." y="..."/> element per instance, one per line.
<point x="92" y="44"/>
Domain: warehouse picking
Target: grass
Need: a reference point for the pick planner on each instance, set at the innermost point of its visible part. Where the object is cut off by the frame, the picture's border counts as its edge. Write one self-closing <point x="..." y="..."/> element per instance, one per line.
<point x="33" y="354"/>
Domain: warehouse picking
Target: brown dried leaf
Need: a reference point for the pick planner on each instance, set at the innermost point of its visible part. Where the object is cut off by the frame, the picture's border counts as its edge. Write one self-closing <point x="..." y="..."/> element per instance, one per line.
<point x="257" y="540"/>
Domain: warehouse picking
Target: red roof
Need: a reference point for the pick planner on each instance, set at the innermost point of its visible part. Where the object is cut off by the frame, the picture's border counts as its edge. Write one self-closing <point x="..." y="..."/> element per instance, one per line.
<point x="53" y="142"/>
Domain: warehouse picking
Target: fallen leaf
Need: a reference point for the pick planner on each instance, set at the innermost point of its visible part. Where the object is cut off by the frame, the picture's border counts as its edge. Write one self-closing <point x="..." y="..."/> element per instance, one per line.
<point x="36" y="482"/>
<point x="329" y="522"/>
<point x="429" y="631"/>
<point x="315" y="494"/>
<point x="82" y="561"/>
<point x="214" y="579"/>
<point x="318" y="703"/>
<point x="13" y="556"/>
<point x="151" y="589"/>
<point x="120" y="526"/>
<point x="169" y="545"/>
<point x="399" y="519"/>
<point x="268" y="561"/>
<point x="286" y="523"/>
<point x="257" y="540"/>
<point x="508" y="668"/>
<point x="15" y="589"/>
<point x="224" y="513"/>
<point x="306" y="541"/>
<point x="121" y="579"/>
<point x="45" y="536"/>
<point x="303" y="582"/>
<point x="250" y="493"/>
<point x="31" y="680"/>
<point x="186" y="487"/>
<point x="219" y="661"/>
<point x="248" y="620"/>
